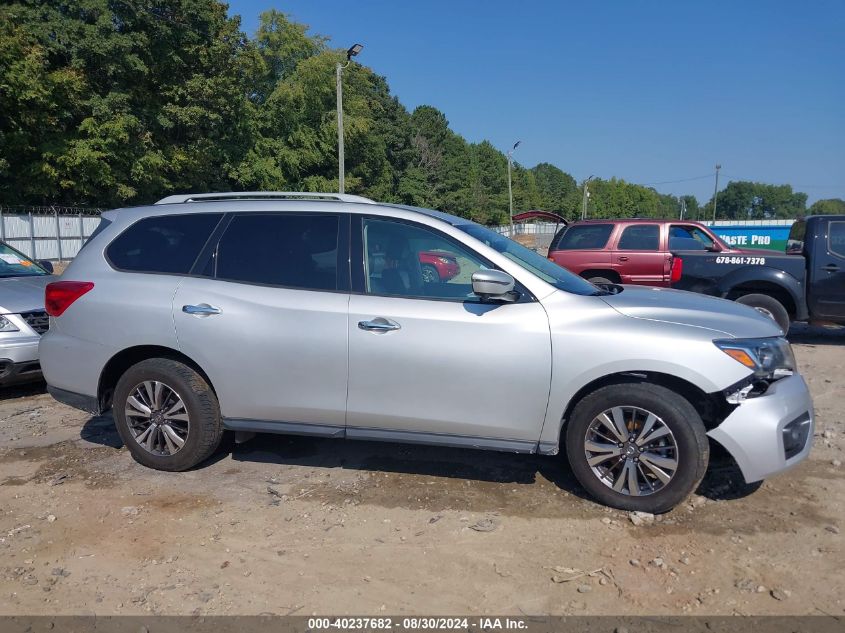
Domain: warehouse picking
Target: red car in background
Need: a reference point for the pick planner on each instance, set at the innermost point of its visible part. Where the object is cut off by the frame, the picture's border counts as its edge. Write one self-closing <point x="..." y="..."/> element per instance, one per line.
<point x="438" y="266"/>
<point x="632" y="251"/>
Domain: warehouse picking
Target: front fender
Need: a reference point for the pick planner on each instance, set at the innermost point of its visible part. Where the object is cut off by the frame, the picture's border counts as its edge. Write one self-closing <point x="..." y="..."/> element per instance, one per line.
<point x="561" y="400"/>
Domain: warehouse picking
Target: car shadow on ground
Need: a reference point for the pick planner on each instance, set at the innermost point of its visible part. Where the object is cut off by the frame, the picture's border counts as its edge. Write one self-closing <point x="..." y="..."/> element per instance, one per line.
<point x="101" y="430"/>
<point x="722" y="482"/>
<point x="24" y="390"/>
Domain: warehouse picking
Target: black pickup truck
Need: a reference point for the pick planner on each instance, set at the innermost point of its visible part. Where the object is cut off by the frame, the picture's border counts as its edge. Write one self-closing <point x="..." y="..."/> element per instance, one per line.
<point x="807" y="283"/>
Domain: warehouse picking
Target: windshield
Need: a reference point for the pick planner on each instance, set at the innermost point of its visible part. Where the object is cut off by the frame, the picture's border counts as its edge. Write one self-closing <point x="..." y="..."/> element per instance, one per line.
<point x="546" y="270"/>
<point x="15" y="264"/>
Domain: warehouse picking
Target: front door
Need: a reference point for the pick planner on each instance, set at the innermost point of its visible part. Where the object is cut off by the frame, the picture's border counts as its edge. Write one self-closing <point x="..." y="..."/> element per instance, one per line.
<point x="827" y="276"/>
<point x="267" y="322"/>
<point x="428" y="361"/>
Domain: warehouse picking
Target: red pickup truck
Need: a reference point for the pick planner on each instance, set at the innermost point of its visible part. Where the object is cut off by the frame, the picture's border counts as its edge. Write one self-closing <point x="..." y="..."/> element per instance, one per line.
<point x="632" y="251"/>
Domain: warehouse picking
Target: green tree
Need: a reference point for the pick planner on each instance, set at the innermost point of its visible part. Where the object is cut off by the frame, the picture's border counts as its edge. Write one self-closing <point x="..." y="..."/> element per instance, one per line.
<point x="693" y="211"/>
<point x="830" y="206"/>
<point x="744" y="200"/>
<point x="282" y="45"/>
<point x="557" y="190"/>
<point x="616" y="198"/>
<point x="107" y="102"/>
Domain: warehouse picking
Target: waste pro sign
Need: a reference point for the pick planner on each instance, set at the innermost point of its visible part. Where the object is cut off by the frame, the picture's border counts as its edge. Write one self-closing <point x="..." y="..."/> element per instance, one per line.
<point x="771" y="237"/>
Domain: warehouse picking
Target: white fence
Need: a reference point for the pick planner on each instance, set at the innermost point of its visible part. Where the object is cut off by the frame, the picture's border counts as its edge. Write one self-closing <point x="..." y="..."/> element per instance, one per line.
<point x="42" y="235"/>
<point x="529" y="228"/>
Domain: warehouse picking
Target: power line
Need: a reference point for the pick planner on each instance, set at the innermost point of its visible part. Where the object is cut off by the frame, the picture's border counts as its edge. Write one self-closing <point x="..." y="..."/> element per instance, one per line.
<point x="669" y="182"/>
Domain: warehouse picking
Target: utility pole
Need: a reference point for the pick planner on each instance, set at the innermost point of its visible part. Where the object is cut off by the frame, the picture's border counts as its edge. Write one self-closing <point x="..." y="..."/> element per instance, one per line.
<point x="341" y="170"/>
<point x="716" y="191"/>
<point x="510" y="188"/>
<point x="683" y="208"/>
<point x="586" y="197"/>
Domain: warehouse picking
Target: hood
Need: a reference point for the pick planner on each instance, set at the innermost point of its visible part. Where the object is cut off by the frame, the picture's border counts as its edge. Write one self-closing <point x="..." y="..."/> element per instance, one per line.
<point x="22" y="294"/>
<point x="725" y="318"/>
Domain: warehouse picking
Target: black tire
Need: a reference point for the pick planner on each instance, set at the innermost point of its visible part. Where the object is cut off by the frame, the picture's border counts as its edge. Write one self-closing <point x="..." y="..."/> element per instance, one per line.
<point x="600" y="281"/>
<point x="769" y="306"/>
<point x="693" y="450"/>
<point x="430" y="274"/>
<point x="205" y="427"/>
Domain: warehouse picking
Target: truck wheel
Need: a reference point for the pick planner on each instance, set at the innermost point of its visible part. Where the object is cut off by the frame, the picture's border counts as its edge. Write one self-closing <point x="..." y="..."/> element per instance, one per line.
<point x="167" y="415"/>
<point x="637" y="446"/>
<point x="599" y="281"/>
<point x="769" y="306"/>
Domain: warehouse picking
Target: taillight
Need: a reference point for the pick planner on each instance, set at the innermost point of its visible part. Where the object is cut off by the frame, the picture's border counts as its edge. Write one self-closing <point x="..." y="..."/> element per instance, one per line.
<point x="59" y="295"/>
<point x="677" y="270"/>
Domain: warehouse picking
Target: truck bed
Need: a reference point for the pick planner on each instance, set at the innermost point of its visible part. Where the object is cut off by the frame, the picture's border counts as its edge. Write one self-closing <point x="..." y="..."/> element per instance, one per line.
<point x="726" y="275"/>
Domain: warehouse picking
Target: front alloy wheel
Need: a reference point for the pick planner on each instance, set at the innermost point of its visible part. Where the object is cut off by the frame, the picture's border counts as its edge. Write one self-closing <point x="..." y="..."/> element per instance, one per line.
<point x="637" y="446"/>
<point x="631" y="450"/>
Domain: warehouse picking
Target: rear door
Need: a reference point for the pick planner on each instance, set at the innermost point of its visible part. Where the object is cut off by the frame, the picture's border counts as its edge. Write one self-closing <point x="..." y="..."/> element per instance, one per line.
<point x="827" y="284"/>
<point x="267" y="319"/>
<point x="638" y="258"/>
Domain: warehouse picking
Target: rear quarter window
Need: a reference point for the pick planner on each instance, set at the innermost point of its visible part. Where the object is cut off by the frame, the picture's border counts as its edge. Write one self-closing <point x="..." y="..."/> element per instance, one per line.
<point x="162" y="244"/>
<point x="584" y="237"/>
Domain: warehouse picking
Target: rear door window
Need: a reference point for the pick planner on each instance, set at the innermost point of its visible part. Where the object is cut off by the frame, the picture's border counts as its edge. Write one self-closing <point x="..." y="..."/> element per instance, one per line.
<point x="836" y="238"/>
<point x="162" y="244"/>
<point x="795" y="242"/>
<point x="281" y="249"/>
<point x="640" y="237"/>
<point x="584" y="237"/>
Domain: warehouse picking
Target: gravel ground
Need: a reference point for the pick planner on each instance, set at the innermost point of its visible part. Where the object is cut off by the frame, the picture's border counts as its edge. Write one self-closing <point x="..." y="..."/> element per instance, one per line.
<point x="299" y="525"/>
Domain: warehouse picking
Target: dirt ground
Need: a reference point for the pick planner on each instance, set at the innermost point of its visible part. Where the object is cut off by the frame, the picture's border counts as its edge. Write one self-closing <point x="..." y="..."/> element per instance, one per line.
<point x="308" y="526"/>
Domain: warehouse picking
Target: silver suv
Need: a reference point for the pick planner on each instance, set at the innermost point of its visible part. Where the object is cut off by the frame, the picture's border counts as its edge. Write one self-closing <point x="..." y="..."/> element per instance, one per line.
<point x="309" y="314"/>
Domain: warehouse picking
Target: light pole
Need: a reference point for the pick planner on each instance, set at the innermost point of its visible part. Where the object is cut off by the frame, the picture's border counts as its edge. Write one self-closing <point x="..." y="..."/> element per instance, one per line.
<point x="510" y="188"/>
<point x="716" y="191"/>
<point x="341" y="172"/>
<point x="586" y="197"/>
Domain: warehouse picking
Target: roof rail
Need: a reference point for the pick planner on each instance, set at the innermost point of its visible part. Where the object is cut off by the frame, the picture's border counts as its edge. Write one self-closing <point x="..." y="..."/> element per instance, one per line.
<point x="263" y="195"/>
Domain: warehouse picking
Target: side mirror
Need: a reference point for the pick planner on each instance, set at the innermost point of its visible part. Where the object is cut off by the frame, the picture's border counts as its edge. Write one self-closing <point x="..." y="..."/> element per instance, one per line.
<point x="493" y="284"/>
<point x="46" y="264"/>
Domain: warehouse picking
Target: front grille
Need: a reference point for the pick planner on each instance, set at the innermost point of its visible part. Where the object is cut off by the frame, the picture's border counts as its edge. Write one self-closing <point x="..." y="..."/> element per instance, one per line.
<point x="38" y="321"/>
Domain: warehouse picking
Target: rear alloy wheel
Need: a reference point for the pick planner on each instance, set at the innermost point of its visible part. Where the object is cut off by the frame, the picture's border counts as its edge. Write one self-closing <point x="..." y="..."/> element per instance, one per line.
<point x="769" y="306"/>
<point x="637" y="446"/>
<point x="157" y="418"/>
<point x="167" y="414"/>
<point x="430" y="274"/>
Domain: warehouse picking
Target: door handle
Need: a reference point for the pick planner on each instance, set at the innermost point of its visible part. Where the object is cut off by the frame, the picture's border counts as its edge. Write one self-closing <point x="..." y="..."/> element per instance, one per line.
<point x="622" y="258"/>
<point x="831" y="268"/>
<point x="379" y="324"/>
<point x="201" y="310"/>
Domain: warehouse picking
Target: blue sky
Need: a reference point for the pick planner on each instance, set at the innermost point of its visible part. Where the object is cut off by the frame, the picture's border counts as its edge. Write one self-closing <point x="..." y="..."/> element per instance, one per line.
<point x="641" y="90"/>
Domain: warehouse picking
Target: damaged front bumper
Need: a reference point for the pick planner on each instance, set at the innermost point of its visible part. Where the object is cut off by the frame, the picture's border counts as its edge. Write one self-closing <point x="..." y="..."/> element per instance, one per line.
<point x="769" y="433"/>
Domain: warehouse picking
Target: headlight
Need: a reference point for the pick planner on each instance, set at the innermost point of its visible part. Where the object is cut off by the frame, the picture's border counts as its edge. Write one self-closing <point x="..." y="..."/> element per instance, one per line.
<point x="6" y="325"/>
<point x="768" y="358"/>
